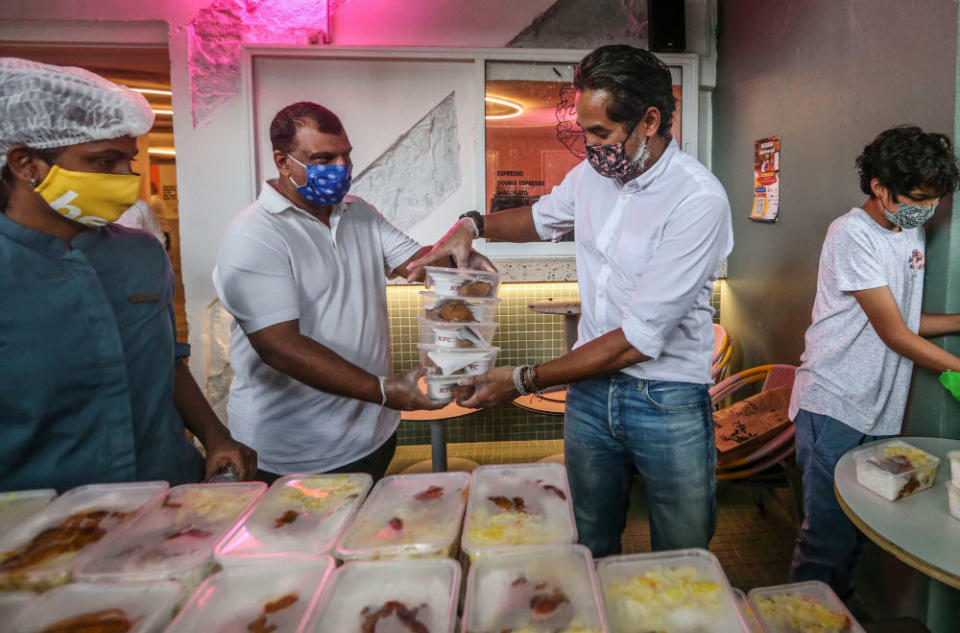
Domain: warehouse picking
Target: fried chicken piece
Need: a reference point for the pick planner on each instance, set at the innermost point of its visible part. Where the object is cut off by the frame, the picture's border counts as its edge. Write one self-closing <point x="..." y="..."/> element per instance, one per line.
<point x="431" y="493"/>
<point x="555" y="490"/>
<point x="281" y="603"/>
<point x="462" y="392"/>
<point x="285" y="519"/>
<point x="405" y="616"/>
<point x="106" y="621"/>
<point x="475" y="289"/>
<point x="72" y="535"/>
<point x="453" y="311"/>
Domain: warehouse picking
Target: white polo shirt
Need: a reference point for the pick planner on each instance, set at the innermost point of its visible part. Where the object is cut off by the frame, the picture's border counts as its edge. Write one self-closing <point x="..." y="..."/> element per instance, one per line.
<point x="279" y="263"/>
<point x="647" y="255"/>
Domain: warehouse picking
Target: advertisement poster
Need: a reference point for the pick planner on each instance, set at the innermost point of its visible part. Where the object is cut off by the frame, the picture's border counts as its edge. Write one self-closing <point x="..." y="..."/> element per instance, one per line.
<point x="766" y="179"/>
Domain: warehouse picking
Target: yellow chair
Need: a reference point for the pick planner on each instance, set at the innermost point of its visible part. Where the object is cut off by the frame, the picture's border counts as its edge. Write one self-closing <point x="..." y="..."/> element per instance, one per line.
<point x="722" y="351"/>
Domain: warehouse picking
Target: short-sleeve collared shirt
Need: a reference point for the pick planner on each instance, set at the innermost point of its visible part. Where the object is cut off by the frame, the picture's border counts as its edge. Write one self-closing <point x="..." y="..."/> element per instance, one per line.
<point x="87" y="352"/>
<point x="279" y="263"/>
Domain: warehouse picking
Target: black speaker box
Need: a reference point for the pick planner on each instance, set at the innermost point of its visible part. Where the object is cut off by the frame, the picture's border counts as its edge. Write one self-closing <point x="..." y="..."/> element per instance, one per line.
<point x="666" y="26"/>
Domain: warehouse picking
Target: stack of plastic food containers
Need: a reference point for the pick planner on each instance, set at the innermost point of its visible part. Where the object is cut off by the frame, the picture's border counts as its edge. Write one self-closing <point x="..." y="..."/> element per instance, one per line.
<point x="551" y="588"/>
<point x="398" y="595"/>
<point x="518" y="504"/>
<point x="173" y="539"/>
<point x="895" y="469"/>
<point x="802" y="607"/>
<point x="953" y="486"/>
<point x="684" y="591"/>
<point x="42" y="550"/>
<point x="457" y="327"/>
<point x="300" y="515"/>
<point x="16" y="506"/>
<point x="408" y="516"/>
<point x="129" y="607"/>
<point x="265" y="598"/>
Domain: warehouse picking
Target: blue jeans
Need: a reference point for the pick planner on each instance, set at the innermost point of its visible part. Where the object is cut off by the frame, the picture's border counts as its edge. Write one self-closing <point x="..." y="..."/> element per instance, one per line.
<point x="618" y="425"/>
<point x="829" y="545"/>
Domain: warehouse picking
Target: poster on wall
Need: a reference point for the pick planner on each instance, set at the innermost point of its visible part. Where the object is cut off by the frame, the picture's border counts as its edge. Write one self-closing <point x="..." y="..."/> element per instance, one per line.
<point x="766" y="179"/>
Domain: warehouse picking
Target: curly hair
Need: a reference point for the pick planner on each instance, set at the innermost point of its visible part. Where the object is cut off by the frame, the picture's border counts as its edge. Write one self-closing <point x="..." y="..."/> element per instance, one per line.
<point x="635" y="80"/>
<point x="285" y="124"/>
<point x="905" y="158"/>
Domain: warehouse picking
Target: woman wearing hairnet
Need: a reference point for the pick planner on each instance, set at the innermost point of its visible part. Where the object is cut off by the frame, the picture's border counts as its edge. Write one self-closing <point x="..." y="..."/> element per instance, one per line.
<point x="92" y="384"/>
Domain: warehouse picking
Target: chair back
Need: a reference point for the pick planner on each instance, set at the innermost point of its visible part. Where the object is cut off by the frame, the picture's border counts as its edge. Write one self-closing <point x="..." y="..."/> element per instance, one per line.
<point x="722" y="351"/>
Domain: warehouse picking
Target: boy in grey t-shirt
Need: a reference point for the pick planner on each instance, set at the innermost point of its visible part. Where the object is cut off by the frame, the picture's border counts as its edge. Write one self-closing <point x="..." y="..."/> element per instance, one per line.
<point x="866" y="335"/>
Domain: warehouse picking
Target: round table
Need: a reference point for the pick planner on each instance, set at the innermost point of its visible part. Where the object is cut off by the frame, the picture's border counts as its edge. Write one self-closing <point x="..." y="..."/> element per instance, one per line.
<point x="917" y="529"/>
<point x="553" y="401"/>
<point x="438" y="429"/>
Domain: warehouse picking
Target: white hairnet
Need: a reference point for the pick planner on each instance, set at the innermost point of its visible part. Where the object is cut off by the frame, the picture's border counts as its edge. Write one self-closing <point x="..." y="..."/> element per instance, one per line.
<point x="44" y="106"/>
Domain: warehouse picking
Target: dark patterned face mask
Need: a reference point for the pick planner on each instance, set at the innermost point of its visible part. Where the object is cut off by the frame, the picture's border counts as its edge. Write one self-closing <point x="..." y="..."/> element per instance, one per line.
<point x="910" y="216"/>
<point x="611" y="160"/>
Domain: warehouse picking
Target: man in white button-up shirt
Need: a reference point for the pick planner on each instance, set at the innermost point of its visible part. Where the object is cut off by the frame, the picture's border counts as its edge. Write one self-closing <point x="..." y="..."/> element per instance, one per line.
<point x="302" y="271"/>
<point x="652" y="226"/>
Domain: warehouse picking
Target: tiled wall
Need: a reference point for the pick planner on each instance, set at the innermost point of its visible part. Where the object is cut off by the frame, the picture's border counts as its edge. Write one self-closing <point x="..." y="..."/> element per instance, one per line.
<point x="524" y="336"/>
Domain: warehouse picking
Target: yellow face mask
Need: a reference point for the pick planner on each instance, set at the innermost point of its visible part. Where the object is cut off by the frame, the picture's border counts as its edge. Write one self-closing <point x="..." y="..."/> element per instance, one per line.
<point x="90" y="198"/>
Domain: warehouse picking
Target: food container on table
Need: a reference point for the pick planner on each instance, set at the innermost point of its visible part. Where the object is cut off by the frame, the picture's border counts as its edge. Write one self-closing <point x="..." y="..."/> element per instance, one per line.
<point x="540" y="589"/>
<point x="461" y="282"/>
<point x="13" y="602"/>
<point x="18" y="505"/>
<point x="753" y="624"/>
<point x="300" y="515"/>
<point x="458" y="309"/>
<point x="518" y="504"/>
<point x="374" y="595"/>
<point x="682" y="591"/>
<point x="267" y="598"/>
<point x="145" y="607"/>
<point x="446" y="388"/>
<point x="895" y="469"/>
<point x="173" y="539"/>
<point x="801" y="607"/>
<point x="43" y="549"/>
<point x="953" y="499"/>
<point x="456" y="335"/>
<point x="408" y="516"/>
<point x="451" y="361"/>
<point x="954" y="457"/>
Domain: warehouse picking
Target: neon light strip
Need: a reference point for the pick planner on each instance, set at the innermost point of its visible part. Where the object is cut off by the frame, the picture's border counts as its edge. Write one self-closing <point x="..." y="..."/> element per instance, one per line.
<point x="163" y="151"/>
<point x="163" y="111"/>
<point x="518" y="109"/>
<point x="152" y="91"/>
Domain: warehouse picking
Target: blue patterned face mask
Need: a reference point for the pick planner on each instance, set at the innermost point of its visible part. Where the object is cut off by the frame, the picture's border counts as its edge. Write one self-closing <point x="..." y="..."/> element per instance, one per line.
<point x="326" y="184"/>
<point x="910" y="216"/>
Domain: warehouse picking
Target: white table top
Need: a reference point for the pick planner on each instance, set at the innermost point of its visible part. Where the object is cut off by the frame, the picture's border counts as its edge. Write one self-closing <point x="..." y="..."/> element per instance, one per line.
<point x="918" y="529"/>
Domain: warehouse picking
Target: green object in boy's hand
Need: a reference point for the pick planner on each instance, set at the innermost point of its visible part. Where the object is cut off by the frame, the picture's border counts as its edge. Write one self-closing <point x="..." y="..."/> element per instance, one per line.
<point x="951" y="380"/>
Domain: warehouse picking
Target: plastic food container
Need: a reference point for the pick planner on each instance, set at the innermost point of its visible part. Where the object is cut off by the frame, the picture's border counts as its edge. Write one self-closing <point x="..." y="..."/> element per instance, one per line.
<point x="954" y="457"/>
<point x="42" y="550"/>
<point x="18" y="505"/>
<point x="542" y="589"/>
<point x="753" y="624"/>
<point x="450" y="361"/>
<point x="518" y="504"/>
<point x="299" y="515"/>
<point x="895" y="469"/>
<point x="13" y="602"/>
<point x="274" y="598"/>
<point x="456" y="335"/>
<point x="147" y="607"/>
<point x="953" y="499"/>
<point x="461" y="282"/>
<point x="408" y="516"/>
<point x="458" y="309"/>
<point x="801" y="607"/>
<point x="683" y="591"/>
<point x="444" y="388"/>
<point x="174" y="539"/>
<point x="375" y="595"/>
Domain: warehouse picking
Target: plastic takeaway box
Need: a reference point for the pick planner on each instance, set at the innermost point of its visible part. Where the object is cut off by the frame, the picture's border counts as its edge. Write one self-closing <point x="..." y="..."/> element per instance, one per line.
<point x="13" y="602"/>
<point x="801" y="607"/>
<point x="953" y="500"/>
<point x="461" y="282"/>
<point x="895" y="469"/>
<point x="753" y="624"/>
<point x="42" y="550"/>
<point x="456" y="335"/>
<point x="454" y="361"/>
<point x="299" y="515"/>
<point x="408" y="516"/>
<point x="458" y="309"/>
<point x="19" y="504"/>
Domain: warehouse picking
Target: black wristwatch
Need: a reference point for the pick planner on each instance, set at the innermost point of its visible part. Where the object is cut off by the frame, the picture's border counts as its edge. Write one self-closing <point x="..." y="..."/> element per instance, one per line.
<point x="477" y="218"/>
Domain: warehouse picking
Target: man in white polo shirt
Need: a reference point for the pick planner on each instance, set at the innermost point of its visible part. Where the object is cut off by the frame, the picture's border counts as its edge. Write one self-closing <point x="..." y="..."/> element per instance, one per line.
<point x="302" y="271"/>
<point x="652" y="226"/>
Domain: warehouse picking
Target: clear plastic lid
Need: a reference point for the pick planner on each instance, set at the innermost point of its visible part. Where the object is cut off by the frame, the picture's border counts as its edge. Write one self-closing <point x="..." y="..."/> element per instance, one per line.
<point x="954" y="457"/>
<point x="953" y="500"/>
<point x="551" y="588"/>
<point x="173" y="537"/>
<point x="458" y="309"/>
<point x="13" y="602"/>
<point x="272" y="597"/>
<point x="461" y="282"/>
<point x="18" y="505"/>
<point x="683" y="591"/>
<point x="41" y="551"/>
<point x="299" y="514"/>
<point x="518" y="504"/>
<point x="452" y="361"/>
<point x="753" y="624"/>
<point x="801" y="607"/>
<point x="376" y="595"/>
<point x="895" y="469"/>
<point x="145" y="607"/>
<point x="408" y="515"/>
<point x="456" y="335"/>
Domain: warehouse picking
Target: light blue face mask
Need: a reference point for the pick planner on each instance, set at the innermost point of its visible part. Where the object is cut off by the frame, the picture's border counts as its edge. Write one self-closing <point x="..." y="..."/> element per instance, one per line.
<point x="326" y="184"/>
<point x="910" y="216"/>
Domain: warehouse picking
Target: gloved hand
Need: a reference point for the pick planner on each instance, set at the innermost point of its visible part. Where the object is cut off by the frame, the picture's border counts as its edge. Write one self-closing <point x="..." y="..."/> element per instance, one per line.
<point x="951" y="381"/>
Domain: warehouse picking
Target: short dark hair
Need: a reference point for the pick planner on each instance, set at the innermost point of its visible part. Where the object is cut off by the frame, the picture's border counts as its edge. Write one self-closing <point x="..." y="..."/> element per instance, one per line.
<point x="635" y="80"/>
<point x="7" y="178"/>
<point x="906" y="158"/>
<point x="285" y="124"/>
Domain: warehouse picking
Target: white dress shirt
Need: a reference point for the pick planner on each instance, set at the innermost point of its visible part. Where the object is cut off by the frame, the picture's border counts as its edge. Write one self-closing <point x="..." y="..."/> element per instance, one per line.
<point x="647" y="255"/>
<point x="279" y="263"/>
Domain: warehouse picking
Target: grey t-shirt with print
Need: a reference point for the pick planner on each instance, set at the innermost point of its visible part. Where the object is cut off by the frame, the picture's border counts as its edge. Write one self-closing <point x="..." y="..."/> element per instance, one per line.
<point x="847" y="371"/>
